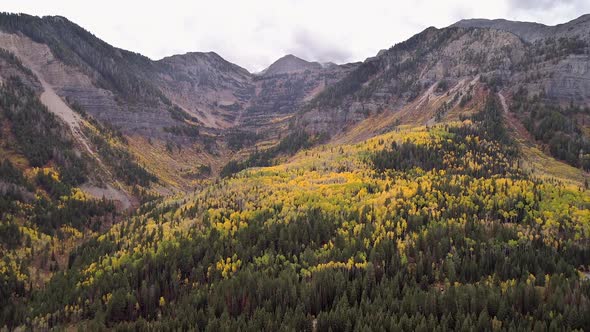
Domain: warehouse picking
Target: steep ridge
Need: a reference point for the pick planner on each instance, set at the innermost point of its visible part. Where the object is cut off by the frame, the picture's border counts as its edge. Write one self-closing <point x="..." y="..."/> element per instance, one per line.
<point x="135" y="93"/>
<point x="32" y="56"/>
<point x="103" y="80"/>
<point x="200" y="101"/>
<point x="194" y="102"/>
<point x="283" y="94"/>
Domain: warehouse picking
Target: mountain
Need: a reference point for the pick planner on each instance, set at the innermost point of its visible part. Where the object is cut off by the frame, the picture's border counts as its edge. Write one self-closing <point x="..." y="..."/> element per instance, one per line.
<point x="564" y="69"/>
<point x="441" y="184"/>
<point x="290" y="64"/>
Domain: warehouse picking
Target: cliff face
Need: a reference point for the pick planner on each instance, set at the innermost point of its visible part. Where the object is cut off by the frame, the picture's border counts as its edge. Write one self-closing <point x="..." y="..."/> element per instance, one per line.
<point x="283" y="93"/>
<point x="81" y="69"/>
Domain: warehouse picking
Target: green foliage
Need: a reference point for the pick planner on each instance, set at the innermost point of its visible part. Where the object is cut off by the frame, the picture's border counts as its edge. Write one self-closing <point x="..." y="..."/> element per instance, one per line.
<point x="491" y="122"/>
<point x="11" y="174"/>
<point x="556" y="127"/>
<point x="10" y="235"/>
<point x="14" y="60"/>
<point x="453" y="235"/>
<point x="80" y="214"/>
<point x="179" y="114"/>
<point x="121" y="161"/>
<point x="493" y="81"/>
<point x="485" y="144"/>
<point x="442" y="86"/>
<point x="188" y="131"/>
<point x="465" y="100"/>
<point x="288" y="145"/>
<point x="440" y="230"/>
<point x="237" y="139"/>
<point x="204" y="170"/>
<point x="40" y="136"/>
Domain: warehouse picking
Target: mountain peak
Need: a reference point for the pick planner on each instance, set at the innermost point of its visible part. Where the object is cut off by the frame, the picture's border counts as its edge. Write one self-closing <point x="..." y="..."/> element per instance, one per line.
<point x="290" y="64"/>
<point x="203" y="59"/>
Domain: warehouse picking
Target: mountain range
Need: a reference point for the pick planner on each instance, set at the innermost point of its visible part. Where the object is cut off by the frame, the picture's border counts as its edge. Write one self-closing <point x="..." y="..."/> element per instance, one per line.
<point x="165" y="99"/>
<point x="147" y="188"/>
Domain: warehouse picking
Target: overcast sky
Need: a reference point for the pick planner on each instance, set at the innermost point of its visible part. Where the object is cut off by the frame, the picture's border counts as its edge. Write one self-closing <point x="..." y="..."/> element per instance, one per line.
<point x="254" y="33"/>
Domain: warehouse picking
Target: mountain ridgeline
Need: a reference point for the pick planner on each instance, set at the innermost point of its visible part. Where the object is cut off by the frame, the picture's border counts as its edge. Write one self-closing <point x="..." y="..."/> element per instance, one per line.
<point x="440" y="185"/>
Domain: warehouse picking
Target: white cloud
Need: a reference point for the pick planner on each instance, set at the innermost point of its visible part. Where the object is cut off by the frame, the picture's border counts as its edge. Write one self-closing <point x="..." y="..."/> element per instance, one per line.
<point x="254" y="33"/>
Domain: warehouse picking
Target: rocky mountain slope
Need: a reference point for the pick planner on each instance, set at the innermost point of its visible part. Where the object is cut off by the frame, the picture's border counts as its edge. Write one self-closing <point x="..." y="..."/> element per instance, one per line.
<point x="559" y="54"/>
<point x="287" y="85"/>
<point x="206" y="86"/>
<point x="133" y="92"/>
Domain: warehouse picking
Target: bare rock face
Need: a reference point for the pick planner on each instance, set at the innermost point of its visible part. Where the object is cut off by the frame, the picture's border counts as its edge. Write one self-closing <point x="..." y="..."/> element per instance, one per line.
<point x="525" y="30"/>
<point x="570" y="80"/>
<point x="76" y="82"/>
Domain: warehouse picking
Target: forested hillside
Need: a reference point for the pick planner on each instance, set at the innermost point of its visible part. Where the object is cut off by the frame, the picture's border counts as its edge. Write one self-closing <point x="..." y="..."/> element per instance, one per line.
<point x="417" y="229"/>
<point x="43" y="212"/>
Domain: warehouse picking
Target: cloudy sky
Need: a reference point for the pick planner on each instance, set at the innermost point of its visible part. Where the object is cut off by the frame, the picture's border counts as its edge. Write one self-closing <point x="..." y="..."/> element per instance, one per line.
<point x="254" y="33"/>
